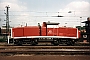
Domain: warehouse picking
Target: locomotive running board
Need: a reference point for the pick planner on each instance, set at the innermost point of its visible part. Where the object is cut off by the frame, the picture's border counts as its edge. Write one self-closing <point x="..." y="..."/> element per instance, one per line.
<point x="46" y="37"/>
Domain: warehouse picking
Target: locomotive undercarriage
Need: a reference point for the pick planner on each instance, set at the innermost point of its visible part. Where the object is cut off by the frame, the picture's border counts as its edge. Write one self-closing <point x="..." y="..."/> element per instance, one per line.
<point x="36" y="41"/>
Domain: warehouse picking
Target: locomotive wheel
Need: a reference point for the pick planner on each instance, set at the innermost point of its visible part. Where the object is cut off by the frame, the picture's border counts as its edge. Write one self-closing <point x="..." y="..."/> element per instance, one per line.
<point x="34" y="42"/>
<point x="55" y="42"/>
<point x="70" y="43"/>
<point x="19" y="42"/>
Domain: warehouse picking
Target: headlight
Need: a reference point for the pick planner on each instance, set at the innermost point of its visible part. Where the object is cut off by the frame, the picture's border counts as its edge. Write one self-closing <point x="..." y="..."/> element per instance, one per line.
<point x="84" y="36"/>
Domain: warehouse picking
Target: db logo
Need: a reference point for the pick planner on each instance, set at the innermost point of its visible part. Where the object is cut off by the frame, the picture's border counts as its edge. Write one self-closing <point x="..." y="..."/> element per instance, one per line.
<point x="50" y="32"/>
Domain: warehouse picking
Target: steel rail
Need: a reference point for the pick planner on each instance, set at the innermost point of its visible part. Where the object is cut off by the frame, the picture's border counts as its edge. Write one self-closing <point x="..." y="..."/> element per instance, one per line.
<point x="46" y="51"/>
<point x="44" y="47"/>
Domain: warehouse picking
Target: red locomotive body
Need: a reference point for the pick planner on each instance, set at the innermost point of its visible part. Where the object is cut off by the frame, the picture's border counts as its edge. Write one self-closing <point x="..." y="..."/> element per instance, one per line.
<point x="19" y="31"/>
<point x="43" y="30"/>
<point x="34" y="31"/>
<point x="33" y="34"/>
<point x="31" y="31"/>
<point x="25" y="31"/>
<point x="70" y="32"/>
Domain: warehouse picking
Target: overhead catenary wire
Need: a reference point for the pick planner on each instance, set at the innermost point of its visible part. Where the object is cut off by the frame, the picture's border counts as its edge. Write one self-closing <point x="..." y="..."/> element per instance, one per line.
<point x="45" y="16"/>
<point x="38" y="12"/>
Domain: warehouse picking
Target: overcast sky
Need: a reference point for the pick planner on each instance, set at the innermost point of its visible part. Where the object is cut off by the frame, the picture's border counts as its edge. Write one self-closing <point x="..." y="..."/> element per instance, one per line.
<point x="33" y="12"/>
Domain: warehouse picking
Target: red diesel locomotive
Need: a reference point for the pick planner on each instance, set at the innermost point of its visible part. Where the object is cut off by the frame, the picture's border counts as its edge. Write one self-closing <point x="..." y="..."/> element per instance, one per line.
<point x="35" y="34"/>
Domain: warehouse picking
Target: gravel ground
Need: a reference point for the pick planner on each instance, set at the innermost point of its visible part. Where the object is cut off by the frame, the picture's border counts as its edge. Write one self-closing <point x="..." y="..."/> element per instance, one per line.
<point x="46" y="57"/>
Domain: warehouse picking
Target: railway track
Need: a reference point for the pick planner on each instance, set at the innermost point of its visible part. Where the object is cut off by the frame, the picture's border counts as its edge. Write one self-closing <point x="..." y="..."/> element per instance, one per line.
<point x="51" y="50"/>
<point x="44" y="47"/>
<point x="47" y="51"/>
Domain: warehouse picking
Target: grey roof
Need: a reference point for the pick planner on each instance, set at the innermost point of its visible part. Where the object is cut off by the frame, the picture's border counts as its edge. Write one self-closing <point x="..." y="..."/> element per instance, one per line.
<point x="51" y="23"/>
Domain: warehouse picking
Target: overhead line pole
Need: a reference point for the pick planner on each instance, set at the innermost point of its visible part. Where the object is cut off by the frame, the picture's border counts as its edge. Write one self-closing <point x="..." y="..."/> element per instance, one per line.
<point x="7" y="19"/>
